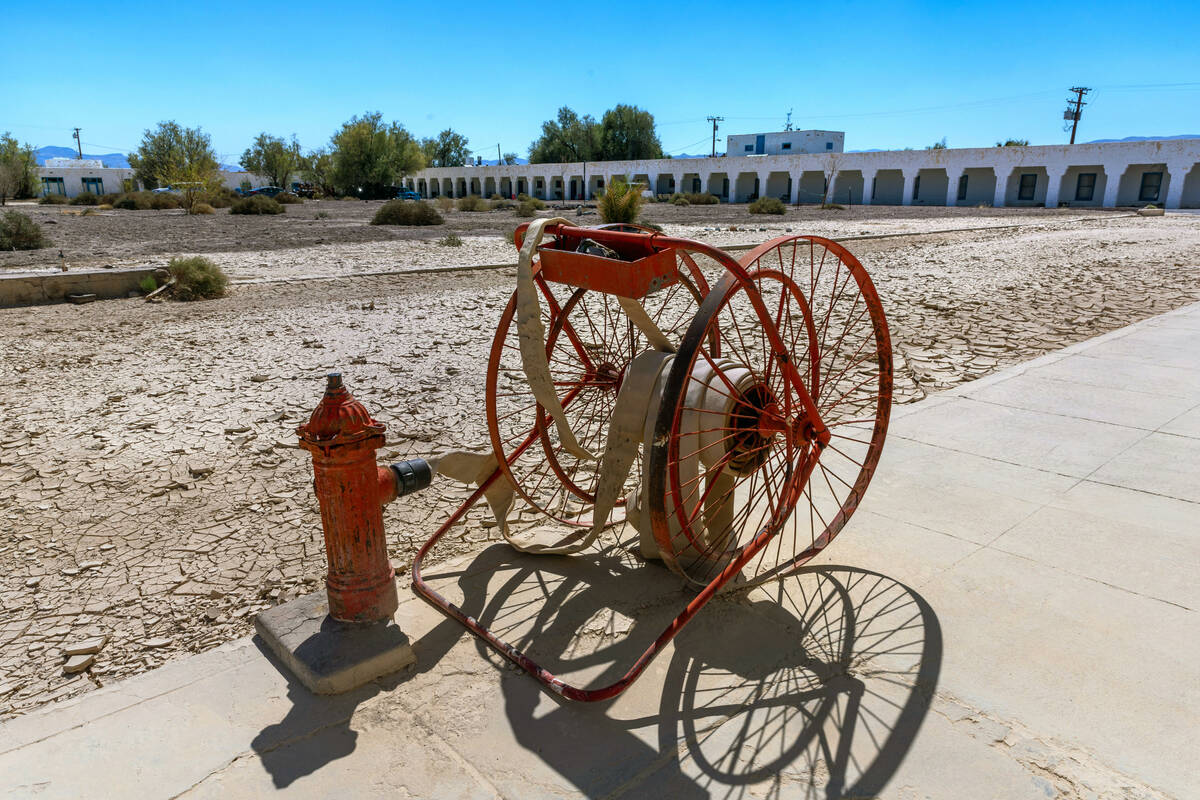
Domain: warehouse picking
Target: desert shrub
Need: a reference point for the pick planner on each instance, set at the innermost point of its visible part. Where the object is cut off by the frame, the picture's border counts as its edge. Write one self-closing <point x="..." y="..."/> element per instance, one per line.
<point x="407" y="212"/>
<point x="147" y="284"/>
<point x="502" y="204"/>
<point x="104" y="207"/>
<point x="347" y="197"/>
<point x="197" y="278"/>
<point x="535" y="202"/>
<point x="85" y="199"/>
<point x="833" y="207"/>
<point x="621" y="203"/>
<point x="767" y="205"/>
<point x="54" y="200"/>
<point x="223" y="197"/>
<point x="702" y="199"/>
<point x="87" y="212"/>
<point x="522" y="196"/>
<point x="107" y="199"/>
<point x="472" y="202"/>
<point x="450" y="240"/>
<point x="202" y="208"/>
<point x="133" y="201"/>
<point x="510" y="237"/>
<point x="525" y="208"/>
<point x="680" y="200"/>
<point x="19" y="232"/>
<point x="257" y="204"/>
<point x="164" y="201"/>
<point x="321" y="215"/>
<point x="444" y="203"/>
<point x="288" y="199"/>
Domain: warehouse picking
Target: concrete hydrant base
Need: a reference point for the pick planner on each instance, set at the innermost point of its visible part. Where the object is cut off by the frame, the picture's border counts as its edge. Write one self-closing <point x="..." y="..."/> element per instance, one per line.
<point x="327" y="656"/>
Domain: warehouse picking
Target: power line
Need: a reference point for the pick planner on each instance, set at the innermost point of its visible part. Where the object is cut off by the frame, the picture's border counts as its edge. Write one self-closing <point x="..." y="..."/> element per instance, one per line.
<point x="714" y="121"/>
<point x="1073" y="114"/>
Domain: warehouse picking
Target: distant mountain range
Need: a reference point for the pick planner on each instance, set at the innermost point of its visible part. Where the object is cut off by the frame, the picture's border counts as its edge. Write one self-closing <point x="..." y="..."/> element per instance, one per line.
<point x="1146" y="138"/>
<point x="112" y="160"/>
<point x="117" y="160"/>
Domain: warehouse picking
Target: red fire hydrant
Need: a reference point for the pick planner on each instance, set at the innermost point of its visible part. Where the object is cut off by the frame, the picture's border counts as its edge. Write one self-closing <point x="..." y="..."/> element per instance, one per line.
<point x="351" y="490"/>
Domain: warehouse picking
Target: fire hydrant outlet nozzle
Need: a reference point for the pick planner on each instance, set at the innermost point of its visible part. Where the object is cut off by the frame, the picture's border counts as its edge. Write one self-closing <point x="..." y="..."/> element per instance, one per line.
<point x="412" y="475"/>
<point x="343" y="437"/>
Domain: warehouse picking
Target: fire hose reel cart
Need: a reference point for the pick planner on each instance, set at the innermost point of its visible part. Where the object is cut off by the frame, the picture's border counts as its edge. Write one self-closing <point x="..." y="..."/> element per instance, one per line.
<point x="729" y="412"/>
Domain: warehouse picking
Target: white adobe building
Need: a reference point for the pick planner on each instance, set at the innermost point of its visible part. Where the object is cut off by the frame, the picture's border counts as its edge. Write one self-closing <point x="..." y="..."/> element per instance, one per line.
<point x="1165" y="172"/>
<point x="71" y="176"/>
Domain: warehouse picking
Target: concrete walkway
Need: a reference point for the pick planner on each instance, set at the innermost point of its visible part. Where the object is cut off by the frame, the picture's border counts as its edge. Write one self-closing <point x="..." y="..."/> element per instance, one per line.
<point x="1012" y="613"/>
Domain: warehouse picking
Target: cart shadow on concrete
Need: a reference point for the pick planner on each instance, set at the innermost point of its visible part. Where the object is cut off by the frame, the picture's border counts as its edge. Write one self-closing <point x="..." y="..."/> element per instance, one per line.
<point x="814" y="685"/>
<point x="821" y="679"/>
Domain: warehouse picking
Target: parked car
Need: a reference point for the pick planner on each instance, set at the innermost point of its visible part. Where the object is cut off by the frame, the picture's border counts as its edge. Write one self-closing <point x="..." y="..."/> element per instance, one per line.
<point x="407" y="194"/>
<point x="304" y="190"/>
<point x="269" y="191"/>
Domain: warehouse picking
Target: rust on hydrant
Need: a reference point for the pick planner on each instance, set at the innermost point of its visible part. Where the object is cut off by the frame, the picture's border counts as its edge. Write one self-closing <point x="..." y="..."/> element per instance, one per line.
<point x="351" y="490"/>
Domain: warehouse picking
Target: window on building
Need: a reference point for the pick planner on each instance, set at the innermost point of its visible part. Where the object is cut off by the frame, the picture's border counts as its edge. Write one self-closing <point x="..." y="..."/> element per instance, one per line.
<point x="93" y="185"/>
<point x="917" y="188"/>
<point x="53" y="186"/>
<point x="1028" y="186"/>
<point x="962" y="187"/>
<point x="538" y="183"/>
<point x="1085" y="186"/>
<point x="829" y="145"/>
<point x="873" y="181"/>
<point x="1151" y="184"/>
<point x="600" y="183"/>
<point x="786" y="146"/>
<point x="749" y="148"/>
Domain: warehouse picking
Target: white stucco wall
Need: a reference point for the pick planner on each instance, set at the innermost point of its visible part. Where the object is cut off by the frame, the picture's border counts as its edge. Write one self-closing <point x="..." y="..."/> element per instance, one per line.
<point x="112" y="178"/>
<point x="1120" y="166"/>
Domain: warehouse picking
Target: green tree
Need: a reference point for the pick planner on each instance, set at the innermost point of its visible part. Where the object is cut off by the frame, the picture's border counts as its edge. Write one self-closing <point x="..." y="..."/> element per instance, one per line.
<point x="18" y="169"/>
<point x="627" y="133"/>
<point x="273" y="158"/>
<point x="1013" y="143"/>
<point x="171" y="153"/>
<point x="369" y="156"/>
<point x="448" y="149"/>
<point x="566" y="139"/>
<point x="938" y="145"/>
<point x="509" y="158"/>
<point x="317" y="168"/>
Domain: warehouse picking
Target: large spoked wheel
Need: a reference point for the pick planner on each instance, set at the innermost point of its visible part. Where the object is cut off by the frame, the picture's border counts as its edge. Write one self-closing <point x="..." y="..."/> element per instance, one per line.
<point x="738" y="476"/>
<point x="589" y="344"/>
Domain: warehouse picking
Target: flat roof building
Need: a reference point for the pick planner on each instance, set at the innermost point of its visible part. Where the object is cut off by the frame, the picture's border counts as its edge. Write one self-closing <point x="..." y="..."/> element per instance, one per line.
<point x="1165" y="172"/>
<point x="782" y="143"/>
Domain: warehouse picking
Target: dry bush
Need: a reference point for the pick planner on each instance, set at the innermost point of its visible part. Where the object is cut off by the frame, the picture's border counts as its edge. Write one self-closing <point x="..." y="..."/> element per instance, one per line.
<point x="19" y="232"/>
<point x="197" y="278"/>
<point x="54" y="200"/>
<point x="767" y="205"/>
<point x="202" y="208"/>
<point x="288" y="199"/>
<point x="444" y="203"/>
<point x="85" y="199"/>
<point x="256" y="204"/>
<point x="472" y="202"/>
<point x="407" y="212"/>
<point x="622" y="202"/>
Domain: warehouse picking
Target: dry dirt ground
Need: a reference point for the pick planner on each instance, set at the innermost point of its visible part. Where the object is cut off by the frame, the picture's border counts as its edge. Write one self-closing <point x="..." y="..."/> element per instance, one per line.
<point x="151" y="490"/>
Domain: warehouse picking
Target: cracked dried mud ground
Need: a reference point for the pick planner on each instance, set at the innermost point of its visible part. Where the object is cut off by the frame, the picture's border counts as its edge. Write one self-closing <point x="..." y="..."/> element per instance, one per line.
<point x="151" y="489"/>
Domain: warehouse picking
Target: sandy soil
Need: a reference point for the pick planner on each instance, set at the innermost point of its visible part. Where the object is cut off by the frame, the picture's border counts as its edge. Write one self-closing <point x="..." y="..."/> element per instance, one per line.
<point x="149" y="475"/>
<point x="319" y="234"/>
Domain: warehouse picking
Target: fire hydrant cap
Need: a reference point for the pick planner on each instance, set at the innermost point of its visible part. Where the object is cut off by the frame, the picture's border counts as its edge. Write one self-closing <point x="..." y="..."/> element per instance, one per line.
<point x="338" y="418"/>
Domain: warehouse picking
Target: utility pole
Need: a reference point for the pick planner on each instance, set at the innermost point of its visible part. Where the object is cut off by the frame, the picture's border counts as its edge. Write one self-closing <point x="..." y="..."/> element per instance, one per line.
<point x="788" y="126"/>
<point x="78" y="144"/>
<point x="499" y="158"/>
<point x="1075" y="109"/>
<point x="714" y="121"/>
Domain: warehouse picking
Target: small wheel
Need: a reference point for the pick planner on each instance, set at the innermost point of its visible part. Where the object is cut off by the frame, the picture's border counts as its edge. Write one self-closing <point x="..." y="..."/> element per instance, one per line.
<point x="589" y="344"/>
<point x="739" y="471"/>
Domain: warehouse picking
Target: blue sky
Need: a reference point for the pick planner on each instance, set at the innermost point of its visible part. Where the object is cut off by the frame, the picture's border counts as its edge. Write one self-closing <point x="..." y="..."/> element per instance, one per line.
<point x="891" y="75"/>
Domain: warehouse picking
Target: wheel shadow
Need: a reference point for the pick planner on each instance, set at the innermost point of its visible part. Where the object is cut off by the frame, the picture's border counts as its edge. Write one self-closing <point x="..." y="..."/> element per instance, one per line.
<point x="815" y="685"/>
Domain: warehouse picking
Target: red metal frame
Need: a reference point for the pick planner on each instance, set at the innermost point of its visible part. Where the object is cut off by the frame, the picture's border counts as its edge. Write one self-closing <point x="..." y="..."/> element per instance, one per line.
<point x="640" y="244"/>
